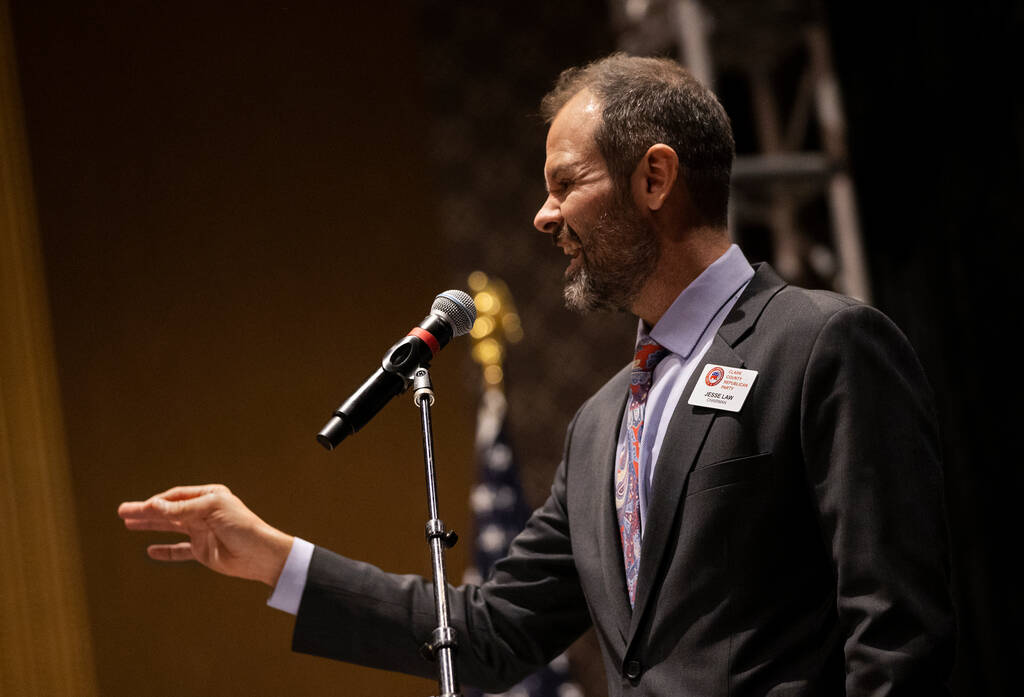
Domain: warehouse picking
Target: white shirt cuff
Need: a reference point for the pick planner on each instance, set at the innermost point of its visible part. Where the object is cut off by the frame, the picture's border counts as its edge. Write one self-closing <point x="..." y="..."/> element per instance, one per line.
<point x="288" y="591"/>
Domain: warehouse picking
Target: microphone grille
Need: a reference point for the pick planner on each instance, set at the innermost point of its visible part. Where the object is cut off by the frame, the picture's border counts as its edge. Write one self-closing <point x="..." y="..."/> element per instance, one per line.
<point x="458" y="307"/>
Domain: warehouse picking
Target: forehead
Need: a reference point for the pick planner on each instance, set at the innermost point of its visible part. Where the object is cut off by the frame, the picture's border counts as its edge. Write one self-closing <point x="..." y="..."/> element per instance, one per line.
<point x="570" y="139"/>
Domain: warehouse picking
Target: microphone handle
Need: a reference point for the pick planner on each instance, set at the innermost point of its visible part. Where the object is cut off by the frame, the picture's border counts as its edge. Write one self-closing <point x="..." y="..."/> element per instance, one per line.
<point x="415" y="349"/>
<point x="379" y="389"/>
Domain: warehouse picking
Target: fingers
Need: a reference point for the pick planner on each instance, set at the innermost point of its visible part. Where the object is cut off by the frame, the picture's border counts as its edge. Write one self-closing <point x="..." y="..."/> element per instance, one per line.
<point x="182" y="551"/>
<point x="182" y="493"/>
<point x="174" y="502"/>
<point x="131" y="509"/>
<point x="154" y="524"/>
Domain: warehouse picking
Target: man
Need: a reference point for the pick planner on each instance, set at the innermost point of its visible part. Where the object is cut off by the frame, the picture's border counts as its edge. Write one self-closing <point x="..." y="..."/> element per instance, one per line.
<point x="753" y="507"/>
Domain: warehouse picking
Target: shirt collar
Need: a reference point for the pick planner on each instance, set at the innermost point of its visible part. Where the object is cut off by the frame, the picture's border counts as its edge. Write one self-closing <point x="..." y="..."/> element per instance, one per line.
<point x="687" y="318"/>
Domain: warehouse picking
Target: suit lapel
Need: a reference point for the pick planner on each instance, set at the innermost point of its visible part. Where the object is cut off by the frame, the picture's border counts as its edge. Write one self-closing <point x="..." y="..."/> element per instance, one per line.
<point x="610" y="542"/>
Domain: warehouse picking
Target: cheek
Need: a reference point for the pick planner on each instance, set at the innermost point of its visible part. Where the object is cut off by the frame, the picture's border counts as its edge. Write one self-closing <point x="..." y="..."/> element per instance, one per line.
<point x="580" y="220"/>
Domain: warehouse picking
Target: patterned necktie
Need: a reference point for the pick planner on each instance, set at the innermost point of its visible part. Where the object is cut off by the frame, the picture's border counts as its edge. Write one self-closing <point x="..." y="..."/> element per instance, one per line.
<point x="627" y="464"/>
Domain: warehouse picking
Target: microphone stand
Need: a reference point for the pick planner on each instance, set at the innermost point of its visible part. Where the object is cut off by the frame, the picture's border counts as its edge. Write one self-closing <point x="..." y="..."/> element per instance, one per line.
<point x="443" y="643"/>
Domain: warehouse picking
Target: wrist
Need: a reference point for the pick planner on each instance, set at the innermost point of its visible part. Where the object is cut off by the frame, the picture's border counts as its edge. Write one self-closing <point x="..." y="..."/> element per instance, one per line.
<point x="280" y="546"/>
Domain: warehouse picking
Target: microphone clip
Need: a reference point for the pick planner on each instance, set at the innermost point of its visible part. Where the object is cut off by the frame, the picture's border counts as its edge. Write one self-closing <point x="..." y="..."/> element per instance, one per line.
<point x="422" y="387"/>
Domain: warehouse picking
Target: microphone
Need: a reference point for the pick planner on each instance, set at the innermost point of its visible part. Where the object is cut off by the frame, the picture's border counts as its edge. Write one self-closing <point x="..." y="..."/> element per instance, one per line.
<point x="452" y="314"/>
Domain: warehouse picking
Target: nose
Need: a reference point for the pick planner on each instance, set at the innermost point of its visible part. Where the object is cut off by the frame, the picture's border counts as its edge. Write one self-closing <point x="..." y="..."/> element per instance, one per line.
<point x="549" y="217"/>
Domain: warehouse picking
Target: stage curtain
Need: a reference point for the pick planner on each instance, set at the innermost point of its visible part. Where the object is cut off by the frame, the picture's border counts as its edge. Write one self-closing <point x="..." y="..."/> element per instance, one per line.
<point x="44" y="636"/>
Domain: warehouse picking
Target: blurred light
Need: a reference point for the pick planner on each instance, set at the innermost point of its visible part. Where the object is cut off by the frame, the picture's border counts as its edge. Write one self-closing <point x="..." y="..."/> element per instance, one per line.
<point x="512" y="326"/>
<point x="636" y="10"/>
<point x="477" y="281"/>
<point x="487" y="302"/>
<point x="483" y="326"/>
<point x="822" y="260"/>
<point x="493" y="374"/>
<point x="487" y="352"/>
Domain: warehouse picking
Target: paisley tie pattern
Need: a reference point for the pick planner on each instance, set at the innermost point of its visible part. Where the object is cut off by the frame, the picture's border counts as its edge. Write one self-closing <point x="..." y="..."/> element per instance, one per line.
<point x="627" y="464"/>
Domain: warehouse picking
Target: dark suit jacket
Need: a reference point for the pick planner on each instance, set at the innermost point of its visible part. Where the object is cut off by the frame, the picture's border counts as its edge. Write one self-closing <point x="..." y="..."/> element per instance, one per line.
<point x="797" y="547"/>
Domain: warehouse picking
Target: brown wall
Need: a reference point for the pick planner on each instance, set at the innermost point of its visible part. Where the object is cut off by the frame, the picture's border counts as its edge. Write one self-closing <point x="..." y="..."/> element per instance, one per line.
<point x="236" y="218"/>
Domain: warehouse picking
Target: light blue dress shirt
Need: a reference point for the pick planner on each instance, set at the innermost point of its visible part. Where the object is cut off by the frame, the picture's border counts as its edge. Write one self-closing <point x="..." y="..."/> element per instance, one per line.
<point x="686" y="329"/>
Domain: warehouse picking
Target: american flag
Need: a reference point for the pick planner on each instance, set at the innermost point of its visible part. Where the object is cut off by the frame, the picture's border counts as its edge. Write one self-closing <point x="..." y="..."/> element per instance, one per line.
<point x="500" y="511"/>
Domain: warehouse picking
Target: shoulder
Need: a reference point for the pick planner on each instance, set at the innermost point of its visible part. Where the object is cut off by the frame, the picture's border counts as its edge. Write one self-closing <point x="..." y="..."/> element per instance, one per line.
<point x="770" y="308"/>
<point x="820" y="314"/>
<point x="805" y="311"/>
<point x="822" y="303"/>
<point x="793" y="329"/>
<point x="767" y="296"/>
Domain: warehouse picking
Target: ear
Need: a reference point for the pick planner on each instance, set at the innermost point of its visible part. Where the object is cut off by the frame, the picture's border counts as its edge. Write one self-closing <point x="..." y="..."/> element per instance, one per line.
<point x="655" y="176"/>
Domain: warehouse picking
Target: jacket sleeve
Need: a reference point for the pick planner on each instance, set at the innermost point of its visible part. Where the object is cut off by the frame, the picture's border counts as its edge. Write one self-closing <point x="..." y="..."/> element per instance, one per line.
<point x="525" y="614"/>
<point x="871" y="448"/>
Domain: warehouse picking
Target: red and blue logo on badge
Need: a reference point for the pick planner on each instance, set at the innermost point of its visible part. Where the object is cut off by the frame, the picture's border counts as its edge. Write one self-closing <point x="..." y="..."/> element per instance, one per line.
<point x="714" y="376"/>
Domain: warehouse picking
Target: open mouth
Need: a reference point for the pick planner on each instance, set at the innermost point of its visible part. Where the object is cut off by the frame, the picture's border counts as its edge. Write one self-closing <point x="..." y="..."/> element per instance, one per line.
<point x="575" y="263"/>
<point x="567" y="240"/>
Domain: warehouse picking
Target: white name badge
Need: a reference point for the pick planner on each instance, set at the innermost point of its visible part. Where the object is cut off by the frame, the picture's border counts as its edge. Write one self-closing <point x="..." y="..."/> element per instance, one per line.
<point x="722" y="387"/>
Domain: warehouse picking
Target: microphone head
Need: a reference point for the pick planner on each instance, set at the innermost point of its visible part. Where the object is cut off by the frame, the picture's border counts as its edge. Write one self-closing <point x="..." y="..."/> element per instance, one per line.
<point x="458" y="308"/>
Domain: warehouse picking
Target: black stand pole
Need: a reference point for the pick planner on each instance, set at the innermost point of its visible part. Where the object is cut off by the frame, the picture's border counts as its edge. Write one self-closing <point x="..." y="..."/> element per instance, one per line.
<point x="443" y="643"/>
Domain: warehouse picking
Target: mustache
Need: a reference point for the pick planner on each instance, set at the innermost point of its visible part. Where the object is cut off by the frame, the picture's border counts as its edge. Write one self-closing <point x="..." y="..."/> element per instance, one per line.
<point x="565" y="233"/>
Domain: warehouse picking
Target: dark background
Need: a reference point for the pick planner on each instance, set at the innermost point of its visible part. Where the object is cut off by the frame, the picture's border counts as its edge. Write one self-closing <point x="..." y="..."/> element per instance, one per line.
<point x="937" y="145"/>
<point x="242" y="204"/>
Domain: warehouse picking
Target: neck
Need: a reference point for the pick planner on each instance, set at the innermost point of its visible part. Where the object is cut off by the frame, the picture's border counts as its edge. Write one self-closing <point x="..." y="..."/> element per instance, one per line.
<point x="680" y="261"/>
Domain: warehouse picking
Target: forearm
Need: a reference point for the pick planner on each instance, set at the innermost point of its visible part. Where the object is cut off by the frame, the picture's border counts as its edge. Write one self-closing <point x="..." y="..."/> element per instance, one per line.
<point x="528" y="612"/>
<point x="354" y="612"/>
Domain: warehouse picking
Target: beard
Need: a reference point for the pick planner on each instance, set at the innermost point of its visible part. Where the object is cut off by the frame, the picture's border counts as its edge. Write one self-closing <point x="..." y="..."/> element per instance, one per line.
<point x="617" y="260"/>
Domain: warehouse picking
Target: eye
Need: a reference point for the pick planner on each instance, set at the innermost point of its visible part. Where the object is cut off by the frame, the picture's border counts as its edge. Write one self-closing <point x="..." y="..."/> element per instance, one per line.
<point x="560" y="181"/>
<point x="560" y="187"/>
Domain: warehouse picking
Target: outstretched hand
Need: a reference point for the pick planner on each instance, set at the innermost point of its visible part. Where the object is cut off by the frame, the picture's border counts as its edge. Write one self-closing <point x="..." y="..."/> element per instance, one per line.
<point x="223" y="533"/>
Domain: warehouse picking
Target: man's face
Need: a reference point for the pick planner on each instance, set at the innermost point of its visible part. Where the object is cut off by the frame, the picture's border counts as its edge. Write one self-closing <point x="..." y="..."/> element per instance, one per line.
<point x="592" y="219"/>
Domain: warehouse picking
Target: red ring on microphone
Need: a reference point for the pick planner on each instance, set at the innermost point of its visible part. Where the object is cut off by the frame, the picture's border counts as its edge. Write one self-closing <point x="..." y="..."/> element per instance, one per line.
<point x="428" y="339"/>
